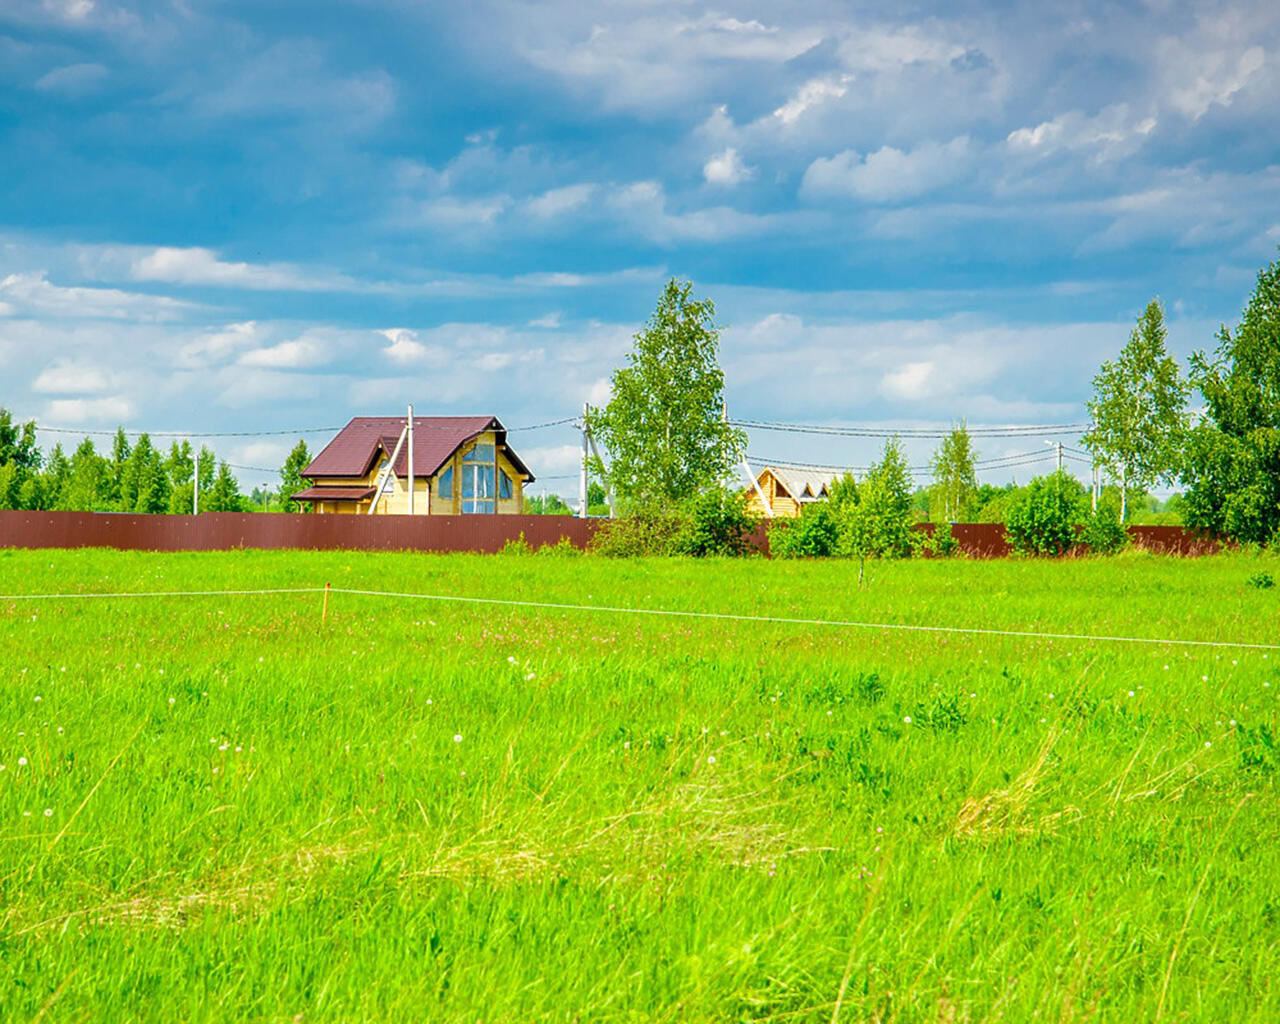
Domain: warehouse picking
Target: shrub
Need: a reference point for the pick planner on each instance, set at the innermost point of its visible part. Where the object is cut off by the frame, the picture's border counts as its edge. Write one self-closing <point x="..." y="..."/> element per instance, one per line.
<point x="517" y="546"/>
<point x="716" y="522"/>
<point x="813" y="535"/>
<point x="1042" y="519"/>
<point x="563" y="548"/>
<point x="1103" y="532"/>
<point x="941" y="543"/>
<point x="1261" y="580"/>
<point x="643" y="531"/>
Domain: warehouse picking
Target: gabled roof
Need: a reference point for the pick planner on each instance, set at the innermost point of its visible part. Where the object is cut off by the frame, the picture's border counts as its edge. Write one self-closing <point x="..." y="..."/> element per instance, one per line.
<point x="803" y="484"/>
<point x="435" y="438"/>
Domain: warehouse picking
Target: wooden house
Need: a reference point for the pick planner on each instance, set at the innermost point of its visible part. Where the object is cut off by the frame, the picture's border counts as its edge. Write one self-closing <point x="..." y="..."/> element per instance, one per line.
<point x="461" y="466"/>
<point x="786" y="491"/>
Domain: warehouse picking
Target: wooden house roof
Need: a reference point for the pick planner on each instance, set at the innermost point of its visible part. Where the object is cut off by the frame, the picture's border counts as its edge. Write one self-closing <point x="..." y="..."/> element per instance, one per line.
<point x="803" y="484"/>
<point x="353" y="452"/>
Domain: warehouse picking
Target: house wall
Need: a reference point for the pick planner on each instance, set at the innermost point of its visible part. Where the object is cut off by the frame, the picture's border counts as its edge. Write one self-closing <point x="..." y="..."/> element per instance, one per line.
<point x="784" y="506"/>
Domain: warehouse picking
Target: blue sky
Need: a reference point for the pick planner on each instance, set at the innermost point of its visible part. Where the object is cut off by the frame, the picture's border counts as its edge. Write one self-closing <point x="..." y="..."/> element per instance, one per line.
<point x="254" y="216"/>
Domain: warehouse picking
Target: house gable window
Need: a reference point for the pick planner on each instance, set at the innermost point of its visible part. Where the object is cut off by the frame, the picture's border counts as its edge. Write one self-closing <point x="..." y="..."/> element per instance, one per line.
<point x="445" y="486"/>
<point x="479" y="480"/>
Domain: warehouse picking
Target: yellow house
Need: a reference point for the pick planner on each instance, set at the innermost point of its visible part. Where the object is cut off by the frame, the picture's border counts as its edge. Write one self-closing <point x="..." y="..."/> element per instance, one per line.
<point x="461" y="466"/>
<point x="787" y="490"/>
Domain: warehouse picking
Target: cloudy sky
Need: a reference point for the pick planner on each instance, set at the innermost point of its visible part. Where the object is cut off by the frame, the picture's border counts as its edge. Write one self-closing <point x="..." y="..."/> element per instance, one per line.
<point x="220" y="215"/>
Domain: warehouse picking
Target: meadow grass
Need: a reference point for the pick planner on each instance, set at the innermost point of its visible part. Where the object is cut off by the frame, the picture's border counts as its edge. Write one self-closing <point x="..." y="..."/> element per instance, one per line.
<point x="220" y="808"/>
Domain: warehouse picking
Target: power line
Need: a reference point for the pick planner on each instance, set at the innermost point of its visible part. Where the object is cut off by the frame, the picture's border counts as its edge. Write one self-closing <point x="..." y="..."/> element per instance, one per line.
<point x="1009" y="431"/>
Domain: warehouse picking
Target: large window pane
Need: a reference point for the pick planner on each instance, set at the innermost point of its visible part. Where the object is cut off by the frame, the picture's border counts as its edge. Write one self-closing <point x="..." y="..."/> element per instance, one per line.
<point x="479" y="506"/>
<point x="504" y="484"/>
<point x="446" y="483"/>
<point x="480" y="453"/>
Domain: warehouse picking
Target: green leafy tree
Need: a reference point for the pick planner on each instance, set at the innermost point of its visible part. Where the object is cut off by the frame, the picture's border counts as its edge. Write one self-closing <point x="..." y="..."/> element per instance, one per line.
<point x="292" y="480"/>
<point x="179" y="466"/>
<point x="1232" y="470"/>
<point x="954" y="474"/>
<point x="547" y="505"/>
<point x="717" y="524"/>
<point x="120" y="452"/>
<point x="875" y="514"/>
<point x="144" y="484"/>
<point x="663" y="429"/>
<point x="1139" y="410"/>
<point x="815" y="533"/>
<point x="19" y="461"/>
<point x="224" y="495"/>
<point x="88" y="485"/>
<point x="1042" y="517"/>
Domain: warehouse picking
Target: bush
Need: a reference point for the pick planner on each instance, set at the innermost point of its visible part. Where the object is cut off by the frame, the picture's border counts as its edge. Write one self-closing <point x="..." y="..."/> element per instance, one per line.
<point x="644" y="531"/>
<point x="1042" y="519"/>
<point x="716" y="522"/>
<point x="813" y="535"/>
<point x="941" y="543"/>
<point x="1103" y="532"/>
<point x="518" y="546"/>
<point x="563" y="548"/>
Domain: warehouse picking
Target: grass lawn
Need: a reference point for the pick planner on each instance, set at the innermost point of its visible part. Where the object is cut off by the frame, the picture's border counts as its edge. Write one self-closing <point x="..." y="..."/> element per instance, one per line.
<point x="220" y="807"/>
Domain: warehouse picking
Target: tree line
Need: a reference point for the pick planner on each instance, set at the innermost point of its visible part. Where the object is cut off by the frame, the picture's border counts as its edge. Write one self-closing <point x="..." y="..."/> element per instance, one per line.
<point x="131" y="477"/>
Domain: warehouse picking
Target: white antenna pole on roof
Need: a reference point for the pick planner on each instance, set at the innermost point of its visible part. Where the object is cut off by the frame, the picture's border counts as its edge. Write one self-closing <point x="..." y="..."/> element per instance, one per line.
<point x="410" y="434"/>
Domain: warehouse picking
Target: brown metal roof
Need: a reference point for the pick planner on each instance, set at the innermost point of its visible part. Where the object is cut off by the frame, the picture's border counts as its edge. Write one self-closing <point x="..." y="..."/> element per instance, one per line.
<point x="333" y="494"/>
<point x="435" y="439"/>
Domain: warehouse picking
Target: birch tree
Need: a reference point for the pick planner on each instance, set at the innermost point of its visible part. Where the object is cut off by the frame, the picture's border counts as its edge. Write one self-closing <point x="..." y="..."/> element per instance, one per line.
<point x="1139" y="410"/>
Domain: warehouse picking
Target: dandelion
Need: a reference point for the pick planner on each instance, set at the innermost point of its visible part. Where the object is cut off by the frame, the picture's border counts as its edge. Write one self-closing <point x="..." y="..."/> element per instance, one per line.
<point x="1207" y="743"/>
<point x="907" y="719"/>
<point x="457" y="737"/>
<point x="711" y="759"/>
<point x="1204" y="679"/>
<point x="428" y="700"/>
<point x="172" y="700"/>
<point x="48" y="812"/>
<point x="22" y="761"/>
<point x="529" y="676"/>
<point x="511" y="658"/>
<point x="39" y="698"/>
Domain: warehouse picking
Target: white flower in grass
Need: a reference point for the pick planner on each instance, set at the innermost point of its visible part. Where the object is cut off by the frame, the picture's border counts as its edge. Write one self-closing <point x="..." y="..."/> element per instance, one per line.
<point x="48" y="812"/>
<point x="711" y="759"/>
<point x="22" y="762"/>
<point x="457" y="738"/>
<point x="907" y="719"/>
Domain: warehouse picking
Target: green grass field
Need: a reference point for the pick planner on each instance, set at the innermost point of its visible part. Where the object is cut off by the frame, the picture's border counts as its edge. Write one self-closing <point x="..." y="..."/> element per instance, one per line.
<point x="219" y="808"/>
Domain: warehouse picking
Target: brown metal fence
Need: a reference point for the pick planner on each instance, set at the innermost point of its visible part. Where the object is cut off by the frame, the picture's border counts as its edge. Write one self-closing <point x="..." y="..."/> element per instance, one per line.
<point x="223" y="531"/>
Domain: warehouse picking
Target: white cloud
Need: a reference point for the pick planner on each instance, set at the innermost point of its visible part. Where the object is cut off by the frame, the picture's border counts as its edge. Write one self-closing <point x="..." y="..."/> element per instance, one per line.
<point x="559" y="201"/>
<point x="406" y="349"/>
<point x="911" y="382"/>
<point x="1199" y="80"/>
<point x="200" y="266"/>
<point x="549" y="320"/>
<point x="88" y="410"/>
<point x="812" y="94"/>
<point x="889" y="174"/>
<point x="641" y="206"/>
<point x="65" y="377"/>
<point x="72" y="79"/>
<point x="34" y="294"/>
<point x="1113" y="132"/>
<point x="297" y="354"/>
<point x="726" y="168"/>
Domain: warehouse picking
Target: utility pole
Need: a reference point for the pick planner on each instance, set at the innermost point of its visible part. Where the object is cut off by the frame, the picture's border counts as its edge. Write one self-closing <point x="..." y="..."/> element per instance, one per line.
<point x="410" y="429"/>
<point x="195" y="486"/>
<point x="1096" y="478"/>
<point x="1059" y="456"/>
<point x="582" y="475"/>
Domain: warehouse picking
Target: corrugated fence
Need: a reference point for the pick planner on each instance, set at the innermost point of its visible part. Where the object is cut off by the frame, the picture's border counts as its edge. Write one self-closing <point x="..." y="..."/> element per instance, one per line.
<point x="224" y="531"/>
